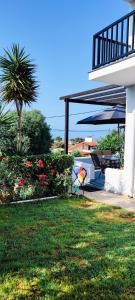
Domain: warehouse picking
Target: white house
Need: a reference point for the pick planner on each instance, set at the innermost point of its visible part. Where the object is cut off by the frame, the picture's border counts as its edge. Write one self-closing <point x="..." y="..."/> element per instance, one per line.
<point x="114" y="63"/>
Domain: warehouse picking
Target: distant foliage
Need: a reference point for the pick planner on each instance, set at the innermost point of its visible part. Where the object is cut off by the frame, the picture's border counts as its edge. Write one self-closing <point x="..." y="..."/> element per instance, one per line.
<point x="58" y="138"/>
<point x="77" y="140"/>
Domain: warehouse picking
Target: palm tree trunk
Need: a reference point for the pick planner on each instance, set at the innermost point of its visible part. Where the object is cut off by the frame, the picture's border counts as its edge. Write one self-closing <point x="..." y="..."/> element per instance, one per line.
<point x="19" y="133"/>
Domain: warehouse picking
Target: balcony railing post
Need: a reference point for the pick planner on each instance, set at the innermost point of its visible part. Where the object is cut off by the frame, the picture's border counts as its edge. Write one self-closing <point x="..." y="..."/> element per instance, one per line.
<point x="107" y="48"/>
<point x="94" y="54"/>
<point x="133" y="32"/>
<point x="122" y="28"/>
<point x="116" y="41"/>
<point x="111" y="56"/>
<point x="127" y="36"/>
<point x="102" y="49"/>
<point x="98" y="54"/>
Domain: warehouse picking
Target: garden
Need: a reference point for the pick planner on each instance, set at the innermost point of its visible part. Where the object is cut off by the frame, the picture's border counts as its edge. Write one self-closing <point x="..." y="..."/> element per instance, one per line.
<point x="66" y="247"/>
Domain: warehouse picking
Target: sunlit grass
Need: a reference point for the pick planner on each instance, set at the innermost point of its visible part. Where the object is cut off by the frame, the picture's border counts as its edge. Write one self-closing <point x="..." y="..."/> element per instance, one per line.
<point x="67" y="249"/>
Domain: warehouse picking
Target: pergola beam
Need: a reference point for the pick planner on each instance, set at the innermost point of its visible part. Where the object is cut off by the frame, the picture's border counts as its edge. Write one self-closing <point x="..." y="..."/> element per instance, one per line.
<point x="115" y="93"/>
<point x="92" y="91"/>
<point x="113" y="102"/>
<point x="112" y="97"/>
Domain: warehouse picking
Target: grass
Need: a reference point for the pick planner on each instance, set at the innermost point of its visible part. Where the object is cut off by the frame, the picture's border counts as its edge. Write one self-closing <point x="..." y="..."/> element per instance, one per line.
<point x="66" y="249"/>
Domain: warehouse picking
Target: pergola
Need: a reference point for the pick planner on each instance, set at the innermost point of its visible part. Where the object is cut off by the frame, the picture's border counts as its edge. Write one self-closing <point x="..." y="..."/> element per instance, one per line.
<point x="109" y="95"/>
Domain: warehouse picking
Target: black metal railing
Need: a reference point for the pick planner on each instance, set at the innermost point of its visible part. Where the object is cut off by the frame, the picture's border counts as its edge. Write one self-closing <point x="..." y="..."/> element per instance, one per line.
<point x="114" y="42"/>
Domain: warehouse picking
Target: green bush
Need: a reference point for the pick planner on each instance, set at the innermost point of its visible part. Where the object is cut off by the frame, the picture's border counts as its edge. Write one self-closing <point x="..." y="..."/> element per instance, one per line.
<point x="36" y="176"/>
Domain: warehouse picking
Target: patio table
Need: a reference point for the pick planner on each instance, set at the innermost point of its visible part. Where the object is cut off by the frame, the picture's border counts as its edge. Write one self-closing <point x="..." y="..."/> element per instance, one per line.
<point x="113" y="161"/>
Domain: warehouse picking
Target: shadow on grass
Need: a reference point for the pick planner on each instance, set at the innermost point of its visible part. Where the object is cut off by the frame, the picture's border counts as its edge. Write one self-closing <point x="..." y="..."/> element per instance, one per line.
<point x="67" y="249"/>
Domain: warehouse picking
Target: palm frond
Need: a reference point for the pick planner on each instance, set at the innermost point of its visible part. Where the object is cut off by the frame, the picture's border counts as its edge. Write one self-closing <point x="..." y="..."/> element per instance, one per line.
<point x="18" y="76"/>
<point x="6" y="119"/>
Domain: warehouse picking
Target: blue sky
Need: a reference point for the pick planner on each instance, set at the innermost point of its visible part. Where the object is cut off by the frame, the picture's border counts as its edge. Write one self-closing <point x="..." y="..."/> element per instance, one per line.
<point x="58" y="36"/>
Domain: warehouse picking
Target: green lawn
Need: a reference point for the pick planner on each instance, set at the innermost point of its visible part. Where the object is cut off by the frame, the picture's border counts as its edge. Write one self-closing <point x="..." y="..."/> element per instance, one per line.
<point x="66" y="249"/>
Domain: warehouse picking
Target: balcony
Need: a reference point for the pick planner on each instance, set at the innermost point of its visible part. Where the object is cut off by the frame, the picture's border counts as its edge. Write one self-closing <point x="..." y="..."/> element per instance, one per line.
<point x="115" y="44"/>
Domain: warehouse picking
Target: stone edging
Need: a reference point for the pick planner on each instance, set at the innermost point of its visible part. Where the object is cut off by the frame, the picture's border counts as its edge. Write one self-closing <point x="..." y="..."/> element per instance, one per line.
<point x="31" y="200"/>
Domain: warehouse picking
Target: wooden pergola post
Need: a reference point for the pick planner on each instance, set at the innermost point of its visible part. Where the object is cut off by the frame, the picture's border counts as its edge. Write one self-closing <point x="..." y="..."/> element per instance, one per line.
<point x="66" y="125"/>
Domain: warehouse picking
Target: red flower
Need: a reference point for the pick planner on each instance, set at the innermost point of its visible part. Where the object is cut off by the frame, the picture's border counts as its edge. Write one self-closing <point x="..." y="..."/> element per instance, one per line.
<point x="21" y="182"/>
<point x="52" y="171"/>
<point x="28" y="163"/>
<point x="44" y="183"/>
<point x="41" y="164"/>
<point x="42" y="176"/>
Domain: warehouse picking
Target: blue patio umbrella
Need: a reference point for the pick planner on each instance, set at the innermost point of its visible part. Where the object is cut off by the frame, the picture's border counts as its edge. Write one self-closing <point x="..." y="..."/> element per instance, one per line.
<point x="113" y="115"/>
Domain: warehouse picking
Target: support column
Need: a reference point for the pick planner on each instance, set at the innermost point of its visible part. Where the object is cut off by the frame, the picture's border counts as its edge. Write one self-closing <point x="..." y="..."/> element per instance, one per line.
<point x="129" y="156"/>
<point x="66" y="125"/>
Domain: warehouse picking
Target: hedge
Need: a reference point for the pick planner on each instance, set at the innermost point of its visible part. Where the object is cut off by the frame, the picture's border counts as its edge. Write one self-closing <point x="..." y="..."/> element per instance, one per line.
<point x="35" y="176"/>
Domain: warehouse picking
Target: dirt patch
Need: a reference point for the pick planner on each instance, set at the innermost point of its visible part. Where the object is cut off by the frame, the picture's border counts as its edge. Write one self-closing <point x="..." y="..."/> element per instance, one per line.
<point x="65" y="221"/>
<point x="27" y="230"/>
<point x="30" y="229"/>
<point x="114" y="216"/>
<point x="107" y="216"/>
<point x="86" y="204"/>
<point x="52" y="225"/>
<point x="127" y="219"/>
<point x="79" y="261"/>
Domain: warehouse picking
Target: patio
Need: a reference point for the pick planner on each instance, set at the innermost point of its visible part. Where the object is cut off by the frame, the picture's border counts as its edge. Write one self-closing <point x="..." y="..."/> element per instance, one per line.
<point x="113" y="96"/>
<point x="101" y="196"/>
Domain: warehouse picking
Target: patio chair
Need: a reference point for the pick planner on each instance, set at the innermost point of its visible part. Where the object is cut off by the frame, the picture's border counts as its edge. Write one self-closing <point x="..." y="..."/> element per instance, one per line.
<point x="97" y="164"/>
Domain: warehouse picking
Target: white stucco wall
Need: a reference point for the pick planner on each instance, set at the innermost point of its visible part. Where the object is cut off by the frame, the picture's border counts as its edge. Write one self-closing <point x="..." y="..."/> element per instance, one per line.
<point x="115" y="181"/>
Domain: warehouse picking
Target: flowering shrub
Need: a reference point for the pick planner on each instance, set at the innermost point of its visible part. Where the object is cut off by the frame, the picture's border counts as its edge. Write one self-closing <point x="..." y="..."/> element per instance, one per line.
<point x="36" y="176"/>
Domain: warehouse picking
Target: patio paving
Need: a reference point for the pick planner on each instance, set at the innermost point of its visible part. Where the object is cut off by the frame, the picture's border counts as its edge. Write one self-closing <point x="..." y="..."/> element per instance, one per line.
<point x="96" y="192"/>
<point x="112" y="199"/>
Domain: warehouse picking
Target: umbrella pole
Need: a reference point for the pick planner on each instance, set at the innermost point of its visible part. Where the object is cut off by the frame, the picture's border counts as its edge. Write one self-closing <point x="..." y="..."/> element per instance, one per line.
<point x="118" y="129"/>
<point x="119" y="141"/>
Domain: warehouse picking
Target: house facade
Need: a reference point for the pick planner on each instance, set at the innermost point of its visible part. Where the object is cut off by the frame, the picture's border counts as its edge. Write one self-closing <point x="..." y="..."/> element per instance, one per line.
<point x="85" y="147"/>
<point x="114" y="63"/>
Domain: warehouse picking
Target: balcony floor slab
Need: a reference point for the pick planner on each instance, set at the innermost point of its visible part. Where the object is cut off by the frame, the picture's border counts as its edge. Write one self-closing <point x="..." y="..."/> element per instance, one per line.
<point x="121" y="72"/>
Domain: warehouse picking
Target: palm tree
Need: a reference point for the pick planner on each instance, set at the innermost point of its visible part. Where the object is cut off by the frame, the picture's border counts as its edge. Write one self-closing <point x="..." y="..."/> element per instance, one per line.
<point x="18" y="83"/>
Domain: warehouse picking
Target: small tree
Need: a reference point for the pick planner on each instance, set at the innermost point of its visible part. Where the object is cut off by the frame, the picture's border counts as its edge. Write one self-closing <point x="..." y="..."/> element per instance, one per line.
<point x="36" y="135"/>
<point x="112" y="141"/>
<point x="18" y="82"/>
